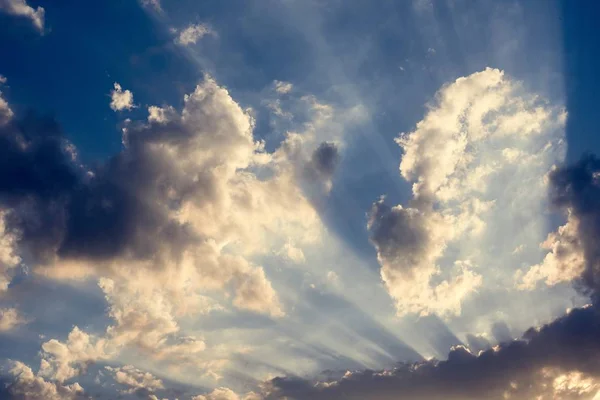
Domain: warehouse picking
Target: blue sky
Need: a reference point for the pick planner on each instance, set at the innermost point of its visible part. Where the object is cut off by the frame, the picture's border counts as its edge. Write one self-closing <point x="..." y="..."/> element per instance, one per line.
<point x="270" y="199"/>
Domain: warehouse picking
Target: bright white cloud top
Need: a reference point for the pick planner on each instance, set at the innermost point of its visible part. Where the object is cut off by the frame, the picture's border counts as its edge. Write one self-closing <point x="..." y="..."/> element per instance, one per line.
<point x="121" y="99"/>
<point x="192" y="33"/>
<point x="478" y="161"/>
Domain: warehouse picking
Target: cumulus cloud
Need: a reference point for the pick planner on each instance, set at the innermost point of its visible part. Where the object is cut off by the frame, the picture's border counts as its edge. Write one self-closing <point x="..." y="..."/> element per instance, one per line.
<point x="282" y="87"/>
<point x="138" y="381"/>
<point x="63" y="361"/>
<point x="563" y="263"/>
<point x="29" y="386"/>
<point x="180" y="214"/>
<point x="476" y="161"/>
<point x="193" y="33"/>
<point x="121" y="99"/>
<point x="20" y="8"/>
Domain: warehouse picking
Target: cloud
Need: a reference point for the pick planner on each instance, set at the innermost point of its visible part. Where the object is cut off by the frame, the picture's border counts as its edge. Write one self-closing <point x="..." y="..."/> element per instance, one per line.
<point x="557" y="361"/>
<point x="137" y="381"/>
<point x="20" y="8"/>
<point x="121" y="99"/>
<point x="575" y="190"/>
<point x="10" y="319"/>
<point x="28" y="386"/>
<point x="5" y="112"/>
<point x="193" y="33"/>
<point x="170" y="227"/>
<point x="563" y="263"/>
<point x="155" y="4"/>
<point x="282" y="87"/>
<point x="63" y="361"/>
<point x="9" y="259"/>
<point x="476" y="162"/>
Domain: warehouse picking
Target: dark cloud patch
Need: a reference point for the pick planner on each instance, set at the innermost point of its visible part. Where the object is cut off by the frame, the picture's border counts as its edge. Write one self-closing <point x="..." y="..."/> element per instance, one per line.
<point x="577" y="188"/>
<point x="325" y="159"/>
<point x="398" y="233"/>
<point x="319" y="169"/>
<point x="119" y="209"/>
<point x="521" y="369"/>
<point x="34" y="162"/>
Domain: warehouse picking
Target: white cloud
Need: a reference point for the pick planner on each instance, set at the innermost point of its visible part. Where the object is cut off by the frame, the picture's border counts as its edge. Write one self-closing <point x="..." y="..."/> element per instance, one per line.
<point x="477" y="162"/>
<point x="282" y="87"/>
<point x="193" y="33"/>
<point x="10" y="319"/>
<point x="564" y="261"/>
<point x="27" y="385"/>
<point x="20" y="8"/>
<point x="121" y="99"/>
<point x="237" y="201"/>
<point x="62" y="361"/>
<point x="293" y="253"/>
<point x="137" y="380"/>
<point x="6" y="113"/>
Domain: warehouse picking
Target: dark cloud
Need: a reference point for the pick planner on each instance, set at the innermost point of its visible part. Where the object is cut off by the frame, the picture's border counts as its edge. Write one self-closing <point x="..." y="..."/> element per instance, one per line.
<point x="577" y="188"/>
<point x="116" y="210"/>
<point x="398" y="233"/>
<point x="522" y="369"/>
<point x="325" y="159"/>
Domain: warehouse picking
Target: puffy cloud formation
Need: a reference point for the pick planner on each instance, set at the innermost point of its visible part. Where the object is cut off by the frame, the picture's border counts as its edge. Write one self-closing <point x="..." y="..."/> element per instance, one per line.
<point x="137" y="381"/>
<point x="169" y="227"/>
<point x="63" y="361"/>
<point x="193" y="33"/>
<point x="563" y="262"/>
<point x="481" y="149"/>
<point x="28" y="386"/>
<point x="282" y="87"/>
<point x="20" y="8"/>
<point x="121" y="99"/>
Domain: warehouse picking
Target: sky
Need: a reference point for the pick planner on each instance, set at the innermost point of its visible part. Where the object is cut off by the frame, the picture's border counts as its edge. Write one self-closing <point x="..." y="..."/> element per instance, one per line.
<point x="299" y="199"/>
